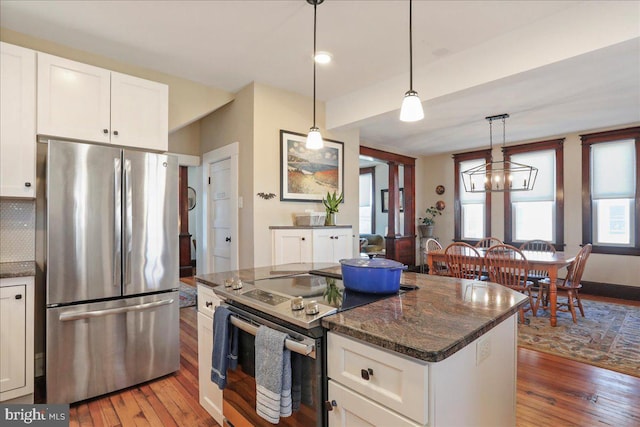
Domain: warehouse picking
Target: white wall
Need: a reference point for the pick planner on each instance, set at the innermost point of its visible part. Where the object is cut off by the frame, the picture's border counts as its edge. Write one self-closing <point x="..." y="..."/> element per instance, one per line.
<point x="615" y="269"/>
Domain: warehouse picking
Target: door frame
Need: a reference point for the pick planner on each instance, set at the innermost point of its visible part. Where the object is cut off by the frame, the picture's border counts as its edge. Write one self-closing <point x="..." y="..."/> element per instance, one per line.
<point x="230" y="152"/>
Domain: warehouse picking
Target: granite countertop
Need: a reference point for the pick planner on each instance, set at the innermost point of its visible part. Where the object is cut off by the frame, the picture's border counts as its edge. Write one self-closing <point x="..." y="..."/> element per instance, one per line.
<point x="17" y="269"/>
<point x="431" y="323"/>
<point x="288" y="227"/>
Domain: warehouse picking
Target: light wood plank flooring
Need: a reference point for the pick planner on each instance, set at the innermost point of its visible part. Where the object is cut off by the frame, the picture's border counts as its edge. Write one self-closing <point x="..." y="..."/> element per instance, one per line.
<point x="552" y="391"/>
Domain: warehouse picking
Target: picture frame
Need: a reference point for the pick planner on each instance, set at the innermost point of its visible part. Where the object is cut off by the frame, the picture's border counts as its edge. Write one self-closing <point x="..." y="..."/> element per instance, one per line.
<point x="384" y="200"/>
<point x="308" y="175"/>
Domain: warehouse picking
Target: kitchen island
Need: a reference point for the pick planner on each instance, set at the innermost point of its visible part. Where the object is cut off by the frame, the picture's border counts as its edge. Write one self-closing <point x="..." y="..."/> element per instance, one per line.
<point x="443" y="354"/>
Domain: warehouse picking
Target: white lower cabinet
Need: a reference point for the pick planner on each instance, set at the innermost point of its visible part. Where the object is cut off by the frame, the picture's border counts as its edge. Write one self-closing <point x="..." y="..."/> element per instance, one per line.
<point x="476" y="386"/>
<point x="210" y="394"/>
<point x="310" y="244"/>
<point x="16" y="340"/>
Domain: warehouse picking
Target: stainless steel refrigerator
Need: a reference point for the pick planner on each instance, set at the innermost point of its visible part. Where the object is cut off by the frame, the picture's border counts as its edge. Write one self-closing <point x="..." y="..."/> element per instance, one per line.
<point x="110" y="264"/>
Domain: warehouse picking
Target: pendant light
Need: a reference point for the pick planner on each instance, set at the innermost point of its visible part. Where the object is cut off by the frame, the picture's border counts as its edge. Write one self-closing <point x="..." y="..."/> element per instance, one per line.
<point x="411" y="110"/>
<point x="499" y="176"/>
<point x="314" y="138"/>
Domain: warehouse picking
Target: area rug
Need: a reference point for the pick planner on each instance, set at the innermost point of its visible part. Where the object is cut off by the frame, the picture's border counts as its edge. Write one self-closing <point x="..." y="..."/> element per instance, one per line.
<point x="608" y="336"/>
<point x="187" y="295"/>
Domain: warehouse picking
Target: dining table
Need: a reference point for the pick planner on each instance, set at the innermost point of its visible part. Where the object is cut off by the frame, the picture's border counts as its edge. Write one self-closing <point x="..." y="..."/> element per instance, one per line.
<point x="547" y="261"/>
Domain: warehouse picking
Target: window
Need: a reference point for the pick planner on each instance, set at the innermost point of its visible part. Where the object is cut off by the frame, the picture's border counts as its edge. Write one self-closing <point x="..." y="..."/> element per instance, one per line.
<point x="472" y="211"/>
<point x="539" y="213"/>
<point x="367" y="201"/>
<point x="610" y="191"/>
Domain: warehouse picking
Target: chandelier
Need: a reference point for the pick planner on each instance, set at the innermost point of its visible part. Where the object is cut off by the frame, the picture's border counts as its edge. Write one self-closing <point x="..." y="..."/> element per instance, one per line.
<point x="499" y="176"/>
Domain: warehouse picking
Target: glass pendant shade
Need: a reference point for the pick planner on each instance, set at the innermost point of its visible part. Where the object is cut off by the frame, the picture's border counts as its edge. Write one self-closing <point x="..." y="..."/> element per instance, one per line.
<point x="314" y="139"/>
<point x="411" y="110"/>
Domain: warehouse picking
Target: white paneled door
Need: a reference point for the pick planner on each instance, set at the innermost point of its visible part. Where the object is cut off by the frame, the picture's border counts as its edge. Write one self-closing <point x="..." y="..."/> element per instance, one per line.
<point x="220" y="215"/>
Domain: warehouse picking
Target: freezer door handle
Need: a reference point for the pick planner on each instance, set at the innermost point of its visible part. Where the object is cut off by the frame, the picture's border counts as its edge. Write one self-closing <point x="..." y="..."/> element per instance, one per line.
<point x="64" y="317"/>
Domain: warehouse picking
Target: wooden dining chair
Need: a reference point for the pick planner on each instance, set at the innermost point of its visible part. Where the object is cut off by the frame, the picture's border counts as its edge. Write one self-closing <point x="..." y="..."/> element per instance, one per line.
<point x="508" y="266"/>
<point x="536" y="275"/>
<point x="439" y="267"/>
<point x="463" y="261"/>
<point x="570" y="285"/>
<point x="488" y="242"/>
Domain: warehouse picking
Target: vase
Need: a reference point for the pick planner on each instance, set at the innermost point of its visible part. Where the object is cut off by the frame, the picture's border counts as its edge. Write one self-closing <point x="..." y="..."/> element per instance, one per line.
<point x="426" y="231"/>
<point x="330" y="219"/>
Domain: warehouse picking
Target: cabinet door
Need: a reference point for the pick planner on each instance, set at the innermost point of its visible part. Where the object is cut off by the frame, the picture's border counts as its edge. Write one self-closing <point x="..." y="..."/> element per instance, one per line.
<point x="291" y="246"/>
<point x="13" y="337"/>
<point x="332" y="244"/>
<point x="210" y="394"/>
<point x="139" y="112"/>
<point x="73" y="99"/>
<point x="342" y="244"/>
<point x="353" y="409"/>
<point x="18" y="118"/>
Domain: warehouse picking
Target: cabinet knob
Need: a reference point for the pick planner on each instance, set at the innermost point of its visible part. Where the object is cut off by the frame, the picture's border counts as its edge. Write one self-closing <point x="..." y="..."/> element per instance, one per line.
<point x="115" y="132"/>
<point x="336" y="237"/>
<point x="208" y="303"/>
<point x="227" y="239"/>
<point x="105" y="131"/>
<point x="303" y="238"/>
<point x="331" y="237"/>
<point x="27" y="184"/>
<point x="366" y="373"/>
<point x="328" y="406"/>
<point x="19" y="296"/>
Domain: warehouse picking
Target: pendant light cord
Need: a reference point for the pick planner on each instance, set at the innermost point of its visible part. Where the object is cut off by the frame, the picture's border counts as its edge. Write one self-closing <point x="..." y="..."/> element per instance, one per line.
<point x="410" y="47"/>
<point x="315" y="5"/>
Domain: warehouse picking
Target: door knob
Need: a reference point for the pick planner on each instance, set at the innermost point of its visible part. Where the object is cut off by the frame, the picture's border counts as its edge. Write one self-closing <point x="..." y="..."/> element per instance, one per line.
<point x="227" y="239"/>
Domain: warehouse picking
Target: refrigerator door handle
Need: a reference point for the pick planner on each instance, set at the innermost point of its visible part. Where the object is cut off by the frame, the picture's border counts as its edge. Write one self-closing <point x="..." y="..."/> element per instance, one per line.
<point x="117" y="221"/>
<point x="99" y="313"/>
<point x="127" y="224"/>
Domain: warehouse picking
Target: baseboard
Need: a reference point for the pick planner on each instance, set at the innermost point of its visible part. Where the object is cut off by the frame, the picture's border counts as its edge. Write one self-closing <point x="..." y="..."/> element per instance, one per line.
<point x="631" y="293"/>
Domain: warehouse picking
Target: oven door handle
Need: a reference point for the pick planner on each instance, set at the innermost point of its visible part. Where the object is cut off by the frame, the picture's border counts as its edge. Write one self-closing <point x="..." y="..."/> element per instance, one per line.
<point x="293" y="345"/>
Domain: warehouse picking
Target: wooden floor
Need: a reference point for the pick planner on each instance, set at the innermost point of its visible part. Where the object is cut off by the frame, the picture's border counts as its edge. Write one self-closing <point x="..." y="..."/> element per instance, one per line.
<point x="552" y="391"/>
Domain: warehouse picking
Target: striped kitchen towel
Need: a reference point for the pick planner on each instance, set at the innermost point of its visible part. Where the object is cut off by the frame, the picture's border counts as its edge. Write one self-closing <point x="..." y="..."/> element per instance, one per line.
<point x="273" y="375"/>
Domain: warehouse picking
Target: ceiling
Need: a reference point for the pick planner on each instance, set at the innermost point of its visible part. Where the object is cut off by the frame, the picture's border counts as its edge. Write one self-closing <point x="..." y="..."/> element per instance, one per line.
<point x="228" y="44"/>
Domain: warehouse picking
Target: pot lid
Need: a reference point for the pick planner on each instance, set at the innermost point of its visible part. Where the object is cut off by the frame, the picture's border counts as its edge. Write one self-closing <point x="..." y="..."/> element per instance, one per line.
<point x="372" y="263"/>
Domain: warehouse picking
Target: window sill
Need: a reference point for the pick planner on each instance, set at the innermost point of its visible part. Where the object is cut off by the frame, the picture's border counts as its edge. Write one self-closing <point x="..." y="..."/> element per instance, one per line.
<point x="613" y="250"/>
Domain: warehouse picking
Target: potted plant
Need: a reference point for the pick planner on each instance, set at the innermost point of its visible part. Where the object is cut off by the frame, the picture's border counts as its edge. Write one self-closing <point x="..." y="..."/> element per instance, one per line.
<point x="331" y="204"/>
<point x="428" y="221"/>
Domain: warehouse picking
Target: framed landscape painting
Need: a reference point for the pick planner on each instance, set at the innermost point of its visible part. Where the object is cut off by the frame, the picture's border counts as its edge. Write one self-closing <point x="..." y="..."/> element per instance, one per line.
<point x="307" y="175"/>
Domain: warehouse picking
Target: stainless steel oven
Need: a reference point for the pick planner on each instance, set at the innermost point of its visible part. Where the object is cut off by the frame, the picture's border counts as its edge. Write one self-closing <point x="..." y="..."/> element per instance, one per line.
<point x="294" y="305"/>
<point x="239" y="396"/>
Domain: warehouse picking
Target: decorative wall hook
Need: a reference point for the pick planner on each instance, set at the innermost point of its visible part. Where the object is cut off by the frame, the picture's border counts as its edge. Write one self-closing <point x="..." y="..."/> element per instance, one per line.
<point x="267" y="196"/>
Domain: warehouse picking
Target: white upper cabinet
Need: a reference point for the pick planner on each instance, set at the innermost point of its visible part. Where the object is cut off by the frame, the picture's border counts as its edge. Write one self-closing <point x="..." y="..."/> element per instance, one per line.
<point x="18" y="121"/>
<point x="80" y="101"/>
<point x="139" y="112"/>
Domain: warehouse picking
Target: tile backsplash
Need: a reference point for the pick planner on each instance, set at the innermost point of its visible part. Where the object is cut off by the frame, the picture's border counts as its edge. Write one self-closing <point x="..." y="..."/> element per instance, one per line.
<point x="17" y="230"/>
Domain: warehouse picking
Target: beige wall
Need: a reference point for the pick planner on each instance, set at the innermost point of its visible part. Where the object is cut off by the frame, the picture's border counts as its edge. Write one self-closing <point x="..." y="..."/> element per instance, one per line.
<point x="234" y="123"/>
<point x="615" y="269"/>
<point x="255" y="119"/>
<point x="188" y="101"/>
<point x="186" y="140"/>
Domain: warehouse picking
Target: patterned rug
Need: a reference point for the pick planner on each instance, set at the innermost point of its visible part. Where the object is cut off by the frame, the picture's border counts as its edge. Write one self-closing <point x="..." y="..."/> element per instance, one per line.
<point x="187" y="295"/>
<point x="608" y="336"/>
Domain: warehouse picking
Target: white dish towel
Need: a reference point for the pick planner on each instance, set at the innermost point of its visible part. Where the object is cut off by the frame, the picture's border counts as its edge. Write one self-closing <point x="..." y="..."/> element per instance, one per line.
<point x="273" y="375"/>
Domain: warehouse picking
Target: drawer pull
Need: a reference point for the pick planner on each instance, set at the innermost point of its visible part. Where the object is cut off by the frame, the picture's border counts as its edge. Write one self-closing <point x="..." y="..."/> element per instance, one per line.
<point x="208" y="303"/>
<point x="328" y="406"/>
<point x="366" y="373"/>
<point x="19" y="296"/>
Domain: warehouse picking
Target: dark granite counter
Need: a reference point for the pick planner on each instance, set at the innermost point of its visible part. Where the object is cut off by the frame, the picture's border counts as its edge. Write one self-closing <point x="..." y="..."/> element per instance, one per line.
<point x="430" y="323"/>
<point x="433" y="322"/>
<point x="17" y="269"/>
<point x="289" y="227"/>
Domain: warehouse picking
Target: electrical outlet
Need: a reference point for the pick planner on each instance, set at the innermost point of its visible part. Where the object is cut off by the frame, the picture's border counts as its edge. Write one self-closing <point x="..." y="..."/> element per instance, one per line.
<point x="483" y="350"/>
